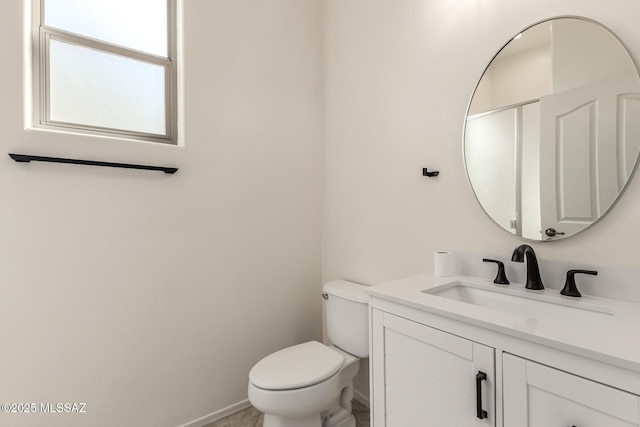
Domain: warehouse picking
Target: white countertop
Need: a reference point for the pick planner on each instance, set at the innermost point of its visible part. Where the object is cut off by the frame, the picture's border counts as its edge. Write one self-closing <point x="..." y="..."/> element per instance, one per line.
<point x="615" y="339"/>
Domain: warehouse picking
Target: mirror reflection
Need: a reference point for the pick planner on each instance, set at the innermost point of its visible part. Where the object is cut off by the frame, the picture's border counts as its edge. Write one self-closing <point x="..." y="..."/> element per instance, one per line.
<point x="552" y="133"/>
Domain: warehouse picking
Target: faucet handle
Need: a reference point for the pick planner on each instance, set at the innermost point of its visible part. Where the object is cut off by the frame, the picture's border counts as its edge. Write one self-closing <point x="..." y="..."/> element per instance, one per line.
<point x="570" y="289"/>
<point x="501" y="277"/>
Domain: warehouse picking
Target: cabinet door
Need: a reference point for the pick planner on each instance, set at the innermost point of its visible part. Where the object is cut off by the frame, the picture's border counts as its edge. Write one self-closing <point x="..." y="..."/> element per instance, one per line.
<point x="425" y="377"/>
<point x="539" y="396"/>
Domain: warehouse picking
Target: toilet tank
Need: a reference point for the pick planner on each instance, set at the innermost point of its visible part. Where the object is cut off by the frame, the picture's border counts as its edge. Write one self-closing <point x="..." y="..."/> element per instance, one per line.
<point x="347" y="316"/>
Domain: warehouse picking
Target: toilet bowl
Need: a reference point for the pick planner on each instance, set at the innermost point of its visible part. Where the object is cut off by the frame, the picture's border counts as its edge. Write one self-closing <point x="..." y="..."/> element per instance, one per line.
<point x="311" y="384"/>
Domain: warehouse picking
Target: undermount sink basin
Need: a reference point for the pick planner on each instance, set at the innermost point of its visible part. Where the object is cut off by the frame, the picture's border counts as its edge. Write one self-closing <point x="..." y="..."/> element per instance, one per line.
<point x="522" y="302"/>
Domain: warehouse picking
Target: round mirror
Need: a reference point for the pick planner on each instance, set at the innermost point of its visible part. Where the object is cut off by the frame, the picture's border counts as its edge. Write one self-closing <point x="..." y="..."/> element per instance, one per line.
<point x="552" y="132"/>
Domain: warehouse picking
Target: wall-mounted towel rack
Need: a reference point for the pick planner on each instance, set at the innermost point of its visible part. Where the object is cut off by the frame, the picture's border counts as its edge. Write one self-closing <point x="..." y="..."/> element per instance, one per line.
<point x="26" y="158"/>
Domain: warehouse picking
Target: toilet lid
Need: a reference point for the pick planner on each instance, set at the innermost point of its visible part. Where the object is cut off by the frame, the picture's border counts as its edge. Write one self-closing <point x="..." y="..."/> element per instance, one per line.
<point x="302" y="365"/>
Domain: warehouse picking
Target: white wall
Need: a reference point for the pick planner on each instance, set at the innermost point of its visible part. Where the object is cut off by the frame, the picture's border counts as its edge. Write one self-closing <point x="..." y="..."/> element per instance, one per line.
<point x="150" y="296"/>
<point x="398" y="79"/>
<point x="532" y="66"/>
<point x="490" y="154"/>
<point x="531" y="219"/>
<point x="514" y="79"/>
<point x="574" y="62"/>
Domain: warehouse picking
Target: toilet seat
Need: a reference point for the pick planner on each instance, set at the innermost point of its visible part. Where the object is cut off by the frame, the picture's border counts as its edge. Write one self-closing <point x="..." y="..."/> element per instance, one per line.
<point x="296" y="367"/>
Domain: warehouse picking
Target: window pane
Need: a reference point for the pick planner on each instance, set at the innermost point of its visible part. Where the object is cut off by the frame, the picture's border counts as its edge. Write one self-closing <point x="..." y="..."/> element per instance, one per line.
<point x="94" y="88"/>
<point x="136" y="24"/>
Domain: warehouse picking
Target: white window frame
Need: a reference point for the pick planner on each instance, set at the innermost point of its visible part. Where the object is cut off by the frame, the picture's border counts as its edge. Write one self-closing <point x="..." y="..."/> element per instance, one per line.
<point x="41" y="35"/>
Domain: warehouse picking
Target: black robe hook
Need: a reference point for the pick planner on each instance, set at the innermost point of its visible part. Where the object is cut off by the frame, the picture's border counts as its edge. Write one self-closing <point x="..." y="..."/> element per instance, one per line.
<point x="425" y="172"/>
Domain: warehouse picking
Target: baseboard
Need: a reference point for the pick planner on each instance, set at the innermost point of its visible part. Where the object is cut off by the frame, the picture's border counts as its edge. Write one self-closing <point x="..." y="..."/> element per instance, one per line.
<point x="229" y="410"/>
<point x="215" y="416"/>
<point x="362" y="398"/>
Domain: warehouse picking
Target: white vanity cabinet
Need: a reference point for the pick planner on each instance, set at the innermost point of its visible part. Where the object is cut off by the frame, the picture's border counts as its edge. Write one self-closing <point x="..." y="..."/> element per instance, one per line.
<point x="426" y="377"/>
<point x="539" y="396"/>
<point x="424" y="362"/>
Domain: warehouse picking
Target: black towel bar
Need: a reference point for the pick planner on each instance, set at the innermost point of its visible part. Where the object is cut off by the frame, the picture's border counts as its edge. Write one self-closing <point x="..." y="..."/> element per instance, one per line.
<point x="26" y="158"/>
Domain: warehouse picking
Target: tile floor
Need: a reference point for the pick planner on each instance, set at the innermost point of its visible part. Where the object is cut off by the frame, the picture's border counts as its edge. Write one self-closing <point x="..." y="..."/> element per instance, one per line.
<point x="251" y="417"/>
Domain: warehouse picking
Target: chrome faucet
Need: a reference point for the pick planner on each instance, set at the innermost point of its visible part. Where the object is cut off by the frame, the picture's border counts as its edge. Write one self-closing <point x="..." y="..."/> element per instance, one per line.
<point x="533" y="271"/>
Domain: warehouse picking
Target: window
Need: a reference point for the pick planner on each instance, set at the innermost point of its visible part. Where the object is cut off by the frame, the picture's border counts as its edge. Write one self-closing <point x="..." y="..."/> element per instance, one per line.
<point x="106" y="67"/>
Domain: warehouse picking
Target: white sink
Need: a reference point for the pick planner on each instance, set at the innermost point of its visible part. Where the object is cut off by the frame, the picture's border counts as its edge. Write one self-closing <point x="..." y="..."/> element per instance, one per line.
<point x="547" y="305"/>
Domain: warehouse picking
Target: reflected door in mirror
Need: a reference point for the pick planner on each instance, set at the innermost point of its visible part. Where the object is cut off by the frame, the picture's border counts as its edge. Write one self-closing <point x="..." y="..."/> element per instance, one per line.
<point x="552" y="133"/>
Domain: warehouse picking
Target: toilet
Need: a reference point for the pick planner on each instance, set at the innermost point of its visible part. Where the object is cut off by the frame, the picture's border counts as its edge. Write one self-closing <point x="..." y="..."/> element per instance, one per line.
<point x="311" y="384"/>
